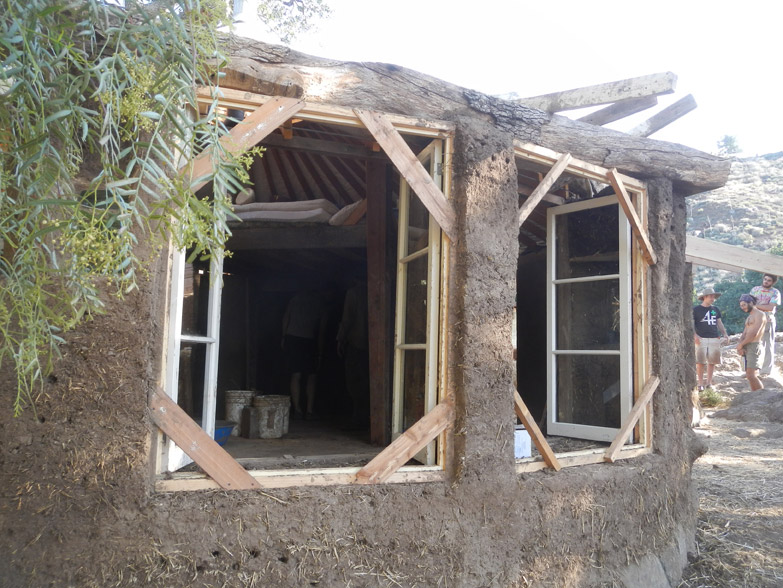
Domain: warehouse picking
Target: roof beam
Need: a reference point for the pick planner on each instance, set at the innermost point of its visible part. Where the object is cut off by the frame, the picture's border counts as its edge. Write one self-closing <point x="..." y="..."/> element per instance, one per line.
<point x="666" y="116"/>
<point x="650" y="85"/>
<point x="730" y="257"/>
<point x="619" y="110"/>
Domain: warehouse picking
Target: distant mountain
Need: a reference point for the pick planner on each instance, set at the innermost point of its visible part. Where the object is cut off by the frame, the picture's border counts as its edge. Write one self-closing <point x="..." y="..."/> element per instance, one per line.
<point x="747" y="211"/>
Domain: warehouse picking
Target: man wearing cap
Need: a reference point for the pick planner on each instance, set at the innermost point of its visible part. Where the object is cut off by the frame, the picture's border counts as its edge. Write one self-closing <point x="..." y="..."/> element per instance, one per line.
<point x="768" y="300"/>
<point x="748" y="345"/>
<point x="708" y="334"/>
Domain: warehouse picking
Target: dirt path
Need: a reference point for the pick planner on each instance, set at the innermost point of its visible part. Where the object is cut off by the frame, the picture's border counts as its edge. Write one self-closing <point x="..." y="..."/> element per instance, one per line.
<point x="740" y="483"/>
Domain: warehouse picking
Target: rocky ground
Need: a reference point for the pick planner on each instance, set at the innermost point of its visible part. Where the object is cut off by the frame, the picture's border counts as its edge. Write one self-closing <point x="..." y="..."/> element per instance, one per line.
<point x="740" y="484"/>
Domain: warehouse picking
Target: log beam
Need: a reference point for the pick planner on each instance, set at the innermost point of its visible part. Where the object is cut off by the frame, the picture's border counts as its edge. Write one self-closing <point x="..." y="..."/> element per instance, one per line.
<point x="666" y="116"/>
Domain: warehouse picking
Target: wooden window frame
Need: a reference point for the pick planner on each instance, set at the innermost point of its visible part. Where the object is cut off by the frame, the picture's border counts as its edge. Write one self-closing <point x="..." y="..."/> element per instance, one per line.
<point x="388" y="466"/>
<point x="632" y="197"/>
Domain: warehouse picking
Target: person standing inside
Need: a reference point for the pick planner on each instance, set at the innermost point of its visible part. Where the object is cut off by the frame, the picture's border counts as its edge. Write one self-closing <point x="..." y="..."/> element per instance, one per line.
<point x="708" y="334"/>
<point x="748" y="345"/>
<point x="768" y="302"/>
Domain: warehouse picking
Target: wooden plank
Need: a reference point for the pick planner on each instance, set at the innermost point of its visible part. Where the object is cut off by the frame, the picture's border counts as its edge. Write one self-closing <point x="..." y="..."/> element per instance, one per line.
<point x="713" y="254"/>
<point x="243" y="100"/>
<point x="199" y="446"/>
<point x="666" y="116"/>
<point x="577" y="167"/>
<point x="247" y="133"/>
<point x="633" y="218"/>
<point x="408" y="444"/>
<point x="296" y="478"/>
<point x="380" y="264"/>
<point x="619" y="110"/>
<point x="636" y="412"/>
<point x="259" y="235"/>
<point x="650" y="85"/>
<point x="411" y="169"/>
<point x="580" y="458"/>
<point x="551" y="177"/>
<point x="535" y="433"/>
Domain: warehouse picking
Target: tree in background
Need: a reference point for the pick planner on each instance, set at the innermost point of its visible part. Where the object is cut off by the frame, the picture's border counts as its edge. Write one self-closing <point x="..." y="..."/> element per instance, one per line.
<point x="728" y="146"/>
<point x="98" y="111"/>
<point x="287" y="18"/>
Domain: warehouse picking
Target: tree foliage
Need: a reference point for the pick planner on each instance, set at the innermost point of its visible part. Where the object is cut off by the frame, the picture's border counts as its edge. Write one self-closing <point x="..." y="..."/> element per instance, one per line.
<point x="287" y="18"/>
<point x="98" y="105"/>
<point x="728" y="145"/>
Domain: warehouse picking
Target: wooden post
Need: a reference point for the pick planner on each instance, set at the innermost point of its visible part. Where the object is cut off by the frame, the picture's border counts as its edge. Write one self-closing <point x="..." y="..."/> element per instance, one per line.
<point x="379" y="303"/>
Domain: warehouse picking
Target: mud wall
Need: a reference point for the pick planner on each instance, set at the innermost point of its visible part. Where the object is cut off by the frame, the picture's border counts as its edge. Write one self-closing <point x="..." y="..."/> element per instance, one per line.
<point x="78" y="508"/>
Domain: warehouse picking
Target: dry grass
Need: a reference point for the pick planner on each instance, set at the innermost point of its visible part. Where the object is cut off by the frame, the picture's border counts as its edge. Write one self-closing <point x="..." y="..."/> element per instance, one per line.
<point x="740" y="481"/>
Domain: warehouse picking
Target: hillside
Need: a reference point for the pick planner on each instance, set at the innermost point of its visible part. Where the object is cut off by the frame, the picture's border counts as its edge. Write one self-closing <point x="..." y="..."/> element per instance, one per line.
<point x="747" y="211"/>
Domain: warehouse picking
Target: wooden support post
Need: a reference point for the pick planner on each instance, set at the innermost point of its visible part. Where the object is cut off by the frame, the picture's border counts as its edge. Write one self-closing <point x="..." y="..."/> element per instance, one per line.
<point x="379" y="298"/>
<point x="411" y="169"/>
<point x="633" y="218"/>
<point x="551" y="177"/>
<point x="535" y="433"/>
<point x="247" y="133"/>
<point x="636" y="412"/>
<point x="404" y="447"/>
<point x="199" y="446"/>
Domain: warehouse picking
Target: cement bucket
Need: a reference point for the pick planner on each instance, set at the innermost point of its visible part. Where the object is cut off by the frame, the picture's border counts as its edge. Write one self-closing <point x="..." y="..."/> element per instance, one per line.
<point x="236" y="400"/>
<point x="273" y="413"/>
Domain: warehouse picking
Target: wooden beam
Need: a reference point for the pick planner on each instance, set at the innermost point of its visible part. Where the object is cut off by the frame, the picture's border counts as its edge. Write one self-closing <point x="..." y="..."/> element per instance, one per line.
<point x="666" y="116"/>
<point x="199" y="446"/>
<point x="411" y="169"/>
<point x="535" y="433"/>
<point x="321" y="147"/>
<point x="259" y="235"/>
<point x="730" y="257"/>
<point x="404" y="447"/>
<point x="619" y="110"/>
<point x="636" y="412"/>
<point x="551" y="177"/>
<point x="243" y="136"/>
<point x="633" y="218"/>
<point x="577" y="167"/>
<point x="650" y="85"/>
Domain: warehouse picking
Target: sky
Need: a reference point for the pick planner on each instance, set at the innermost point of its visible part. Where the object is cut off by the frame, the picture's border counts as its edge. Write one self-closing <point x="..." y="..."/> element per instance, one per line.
<point x="727" y="54"/>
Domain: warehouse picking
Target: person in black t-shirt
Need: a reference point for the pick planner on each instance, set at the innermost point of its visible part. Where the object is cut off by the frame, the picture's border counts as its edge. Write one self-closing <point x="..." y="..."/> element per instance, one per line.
<point x="708" y="333"/>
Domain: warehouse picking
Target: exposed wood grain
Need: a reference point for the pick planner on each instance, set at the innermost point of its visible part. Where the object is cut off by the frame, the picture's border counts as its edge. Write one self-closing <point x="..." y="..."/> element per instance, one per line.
<point x="636" y="412"/>
<point x="633" y="218"/>
<point x="411" y="169"/>
<point x="199" y="446"/>
<point x="535" y="433"/>
<point x="665" y="117"/>
<point x="551" y="177"/>
<point x="404" y="447"/>
<point x="619" y="110"/>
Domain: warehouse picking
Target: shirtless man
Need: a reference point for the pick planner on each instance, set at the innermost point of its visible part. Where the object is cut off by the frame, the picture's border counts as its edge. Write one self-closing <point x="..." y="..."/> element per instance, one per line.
<point x="748" y="345"/>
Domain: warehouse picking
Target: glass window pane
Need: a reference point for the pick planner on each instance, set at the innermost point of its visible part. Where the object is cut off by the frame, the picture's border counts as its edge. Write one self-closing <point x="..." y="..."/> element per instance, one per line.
<point x="416" y="301"/>
<point x="588" y="390"/>
<point x="587" y="243"/>
<point x="195" y="298"/>
<point x="190" y="393"/>
<point x="418" y="225"/>
<point x="588" y="315"/>
<point x="413" y="387"/>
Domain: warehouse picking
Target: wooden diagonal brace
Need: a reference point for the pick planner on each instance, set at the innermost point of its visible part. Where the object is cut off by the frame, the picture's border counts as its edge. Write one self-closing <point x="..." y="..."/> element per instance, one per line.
<point x="633" y="218"/>
<point x="411" y="169"/>
<point x="636" y="412"/>
<point x="404" y="447"/>
<point x="551" y="177"/>
<point x="535" y="433"/>
<point x="246" y="134"/>
<point x="201" y="448"/>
